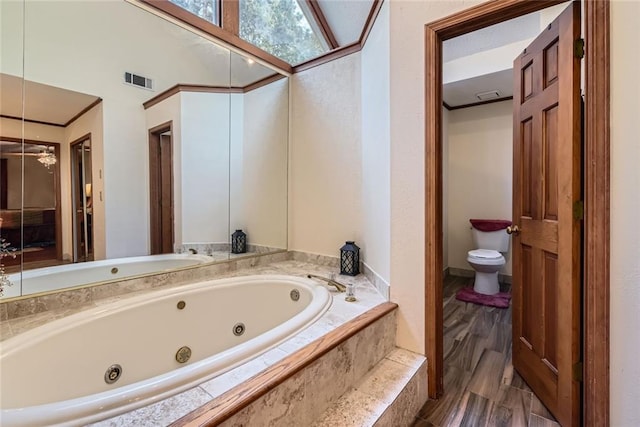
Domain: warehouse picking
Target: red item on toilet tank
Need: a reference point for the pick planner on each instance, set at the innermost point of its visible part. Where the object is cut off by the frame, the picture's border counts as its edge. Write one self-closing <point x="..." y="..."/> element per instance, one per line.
<point x="489" y="224"/>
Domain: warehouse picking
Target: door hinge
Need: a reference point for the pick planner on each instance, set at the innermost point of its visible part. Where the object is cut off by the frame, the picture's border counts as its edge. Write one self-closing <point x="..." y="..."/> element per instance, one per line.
<point x="577" y="371"/>
<point x="578" y="48"/>
<point x="578" y="210"/>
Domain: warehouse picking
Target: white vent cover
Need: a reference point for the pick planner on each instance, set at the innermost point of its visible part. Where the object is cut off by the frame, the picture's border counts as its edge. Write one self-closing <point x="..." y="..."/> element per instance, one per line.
<point x="138" y="80"/>
<point x="484" y="96"/>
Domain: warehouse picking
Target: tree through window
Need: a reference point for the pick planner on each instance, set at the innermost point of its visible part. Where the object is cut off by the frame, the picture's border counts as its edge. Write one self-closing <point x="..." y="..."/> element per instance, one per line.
<point x="205" y="9"/>
<point x="280" y="28"/>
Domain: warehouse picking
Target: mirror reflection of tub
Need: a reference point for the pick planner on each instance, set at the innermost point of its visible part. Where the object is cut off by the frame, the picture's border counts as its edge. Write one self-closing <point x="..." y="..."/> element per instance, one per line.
<point x="72" y="275"/>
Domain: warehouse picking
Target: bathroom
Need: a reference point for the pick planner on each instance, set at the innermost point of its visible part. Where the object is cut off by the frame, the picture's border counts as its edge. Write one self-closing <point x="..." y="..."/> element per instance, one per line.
<point x="230" y="146"/>
<point x="362" y="186"/>
<point x="478" y="145"/>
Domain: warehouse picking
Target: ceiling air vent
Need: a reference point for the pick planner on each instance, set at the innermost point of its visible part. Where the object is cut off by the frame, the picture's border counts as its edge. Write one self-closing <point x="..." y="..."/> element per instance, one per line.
<point x="485" y="96"/>
<point x="137" y="80"/>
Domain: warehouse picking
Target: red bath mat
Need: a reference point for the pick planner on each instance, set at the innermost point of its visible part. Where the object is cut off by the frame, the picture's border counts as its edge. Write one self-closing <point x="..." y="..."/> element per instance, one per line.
<point x="500" y="300"/>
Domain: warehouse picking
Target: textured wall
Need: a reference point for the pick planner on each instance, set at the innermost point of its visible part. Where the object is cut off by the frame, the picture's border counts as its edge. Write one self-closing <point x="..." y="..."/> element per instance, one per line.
<point x="407" y="20"/>
<point x="325" y="178"/>
<point x="376" y="148"/>
<point x="625" y="205"/>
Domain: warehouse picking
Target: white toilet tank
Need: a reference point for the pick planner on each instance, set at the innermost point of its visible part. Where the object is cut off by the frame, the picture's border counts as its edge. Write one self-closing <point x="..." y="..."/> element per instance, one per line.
<point x="496" y="240"/>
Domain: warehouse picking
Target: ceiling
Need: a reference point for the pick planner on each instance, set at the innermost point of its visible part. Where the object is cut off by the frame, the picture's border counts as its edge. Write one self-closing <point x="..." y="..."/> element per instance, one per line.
<point x="346" y="18"/>
<point x="46" y="103"/>
<point x="503" y="41"/>
<point x="464" y="92"/>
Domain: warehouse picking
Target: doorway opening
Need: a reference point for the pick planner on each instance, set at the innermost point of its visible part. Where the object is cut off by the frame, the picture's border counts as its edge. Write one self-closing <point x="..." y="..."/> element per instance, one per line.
<point x="31" y="220"/>
<point x="161" y="188"/>
<point x="478" y="163"/>
<point x="82" y="199"/>
<point x="596" y="195"/>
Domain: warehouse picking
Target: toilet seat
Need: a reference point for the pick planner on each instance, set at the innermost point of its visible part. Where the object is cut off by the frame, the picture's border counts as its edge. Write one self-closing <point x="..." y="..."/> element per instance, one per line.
<point x="485" y="257"/>
<point x="485" y="254"/>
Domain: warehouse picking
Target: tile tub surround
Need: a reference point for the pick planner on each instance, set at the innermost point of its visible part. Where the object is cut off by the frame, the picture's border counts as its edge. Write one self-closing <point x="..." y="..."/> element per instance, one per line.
<point x="378" y="282"/>
<point x="222" y="251"/>
<point x="42" y="308"/>
<point x="169" y="410"/>
<point x="57" y="304"/>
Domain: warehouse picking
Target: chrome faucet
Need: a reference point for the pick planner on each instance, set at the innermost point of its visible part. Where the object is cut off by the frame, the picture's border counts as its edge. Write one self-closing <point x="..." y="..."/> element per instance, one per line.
<point x="339" y="286"/>
<point x="193" y="251"/>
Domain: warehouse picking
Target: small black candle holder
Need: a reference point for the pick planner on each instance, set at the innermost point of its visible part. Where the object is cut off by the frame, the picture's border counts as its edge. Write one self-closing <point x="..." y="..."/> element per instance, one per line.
<point x="350" y="259"/>
<point x="238" y="242"/>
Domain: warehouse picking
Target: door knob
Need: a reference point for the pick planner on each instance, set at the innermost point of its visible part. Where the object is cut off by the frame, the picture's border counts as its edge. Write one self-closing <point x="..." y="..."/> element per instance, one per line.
<point x="513" y="229"/>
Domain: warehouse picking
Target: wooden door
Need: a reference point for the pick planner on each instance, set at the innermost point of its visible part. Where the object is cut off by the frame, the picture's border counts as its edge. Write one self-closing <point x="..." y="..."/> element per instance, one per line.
<point x="546" y="244"/>
<point x="161" y="189"/>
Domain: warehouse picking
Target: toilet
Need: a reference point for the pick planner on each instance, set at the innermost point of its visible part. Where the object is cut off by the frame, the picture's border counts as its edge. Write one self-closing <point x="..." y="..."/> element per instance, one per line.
<point x="491" y="240"/>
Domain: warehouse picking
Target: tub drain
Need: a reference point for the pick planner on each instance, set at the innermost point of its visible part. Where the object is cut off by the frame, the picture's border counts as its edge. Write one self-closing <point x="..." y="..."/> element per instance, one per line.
<point x="238" y="329"/>
<point x="113" y="374"/>
<point x="114" y="270"/>
<point x="295" y="295"/>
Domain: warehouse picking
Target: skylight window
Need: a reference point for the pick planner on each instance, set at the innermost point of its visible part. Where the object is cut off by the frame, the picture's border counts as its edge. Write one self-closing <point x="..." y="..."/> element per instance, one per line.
<point x="280" y="28"/>
<point x="205" y="9"/>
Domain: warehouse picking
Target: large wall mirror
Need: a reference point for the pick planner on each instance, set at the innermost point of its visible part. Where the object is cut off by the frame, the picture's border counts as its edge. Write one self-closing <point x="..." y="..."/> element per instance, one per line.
<point x="129" y="135"/>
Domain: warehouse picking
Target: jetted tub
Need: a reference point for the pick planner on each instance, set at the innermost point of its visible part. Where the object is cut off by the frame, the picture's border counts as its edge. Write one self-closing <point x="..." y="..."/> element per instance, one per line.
<point x="59" y="373"/>
<point x="70" y="275"/>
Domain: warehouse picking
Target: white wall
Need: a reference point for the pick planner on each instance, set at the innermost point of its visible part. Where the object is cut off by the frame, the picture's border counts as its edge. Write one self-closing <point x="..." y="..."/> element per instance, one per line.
<point x="11" y="40"/>
<point x="325" y="178"/>
<point x="259" y="164"/>
<point x="480" y="146"/>
<point x="625" y="205"/>
<point x="376" y="148"/>
<point x="205" y="167"/>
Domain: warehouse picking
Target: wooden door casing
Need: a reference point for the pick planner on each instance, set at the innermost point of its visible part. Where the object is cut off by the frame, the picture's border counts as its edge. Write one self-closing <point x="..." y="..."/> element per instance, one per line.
<point x="547" y="183"/>
<point x="161" y="189"/>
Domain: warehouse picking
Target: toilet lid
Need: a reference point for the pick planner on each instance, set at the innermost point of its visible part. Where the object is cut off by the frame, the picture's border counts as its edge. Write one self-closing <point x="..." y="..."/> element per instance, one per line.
<point x="485" y="253"/>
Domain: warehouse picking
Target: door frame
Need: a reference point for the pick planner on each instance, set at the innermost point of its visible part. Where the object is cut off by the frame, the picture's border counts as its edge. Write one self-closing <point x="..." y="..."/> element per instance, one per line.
<point x="74" y="237"/>
<point x="155" y="223"/>
<point x="596" y="160"/>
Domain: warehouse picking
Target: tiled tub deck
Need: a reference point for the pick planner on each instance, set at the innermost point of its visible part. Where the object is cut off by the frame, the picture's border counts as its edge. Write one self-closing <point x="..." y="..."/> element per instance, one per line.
<point x="298" y="398"/>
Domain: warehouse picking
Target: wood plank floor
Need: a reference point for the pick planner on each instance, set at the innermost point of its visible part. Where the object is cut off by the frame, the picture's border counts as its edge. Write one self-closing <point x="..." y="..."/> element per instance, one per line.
<point x="481" y="386"/>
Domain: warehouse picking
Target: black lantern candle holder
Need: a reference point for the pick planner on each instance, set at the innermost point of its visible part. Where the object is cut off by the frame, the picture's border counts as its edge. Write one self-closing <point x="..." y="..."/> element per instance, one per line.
<point x="350" y="259"/>
<point x="238" y="242"/>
